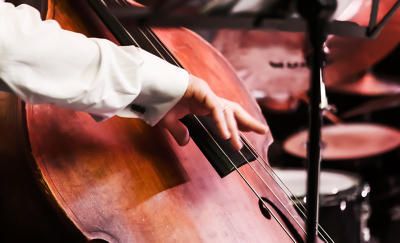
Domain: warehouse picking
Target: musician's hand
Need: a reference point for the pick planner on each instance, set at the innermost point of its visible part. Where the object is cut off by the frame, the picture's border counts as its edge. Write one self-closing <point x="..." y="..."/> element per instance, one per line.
<point x="200" y="100"/>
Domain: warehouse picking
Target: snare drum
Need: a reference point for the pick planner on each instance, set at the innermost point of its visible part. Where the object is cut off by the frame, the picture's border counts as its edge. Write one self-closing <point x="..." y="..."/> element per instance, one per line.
<point x="344" y="205"/>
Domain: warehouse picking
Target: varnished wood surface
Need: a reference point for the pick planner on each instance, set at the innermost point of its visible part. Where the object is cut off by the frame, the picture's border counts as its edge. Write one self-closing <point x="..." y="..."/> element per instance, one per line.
<point x="27" y="212"/>
<point x="123" y="181"/>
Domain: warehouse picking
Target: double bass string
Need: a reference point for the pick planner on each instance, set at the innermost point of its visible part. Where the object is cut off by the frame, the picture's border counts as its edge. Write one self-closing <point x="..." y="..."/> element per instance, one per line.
<point x="292" y="195"/>
<point x="284" y="191"/>
<point x="169" y="54"/>
<point x="178" y="64"/>
<point x="259" y="176"/>
<point x="248" y="183"/>
<point x="289" y="196"/>
<point x="241" y="175"/>
<point x="275" y="175"/>
<point x="244" y="138"/>
<point x="287" y="210"/>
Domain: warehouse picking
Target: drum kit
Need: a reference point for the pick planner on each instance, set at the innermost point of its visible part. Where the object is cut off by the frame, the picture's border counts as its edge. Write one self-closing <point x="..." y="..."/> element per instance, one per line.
<point x="360" y="177"/>
<point x="360" y="171"/>
<point x="344" y="202"/>
<point x="365" y="145"/>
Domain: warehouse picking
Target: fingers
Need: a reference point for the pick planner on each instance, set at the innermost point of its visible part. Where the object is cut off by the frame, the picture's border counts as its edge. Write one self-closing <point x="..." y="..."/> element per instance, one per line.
<point x="219" y="117"/>
<point x="232" y="126"/>
<point x="214" y="106"/>
<point x="227" y="119"/>
<point x="245" y="121"/>
<point x="199" y="99"/>
<point x="178" y="131"/>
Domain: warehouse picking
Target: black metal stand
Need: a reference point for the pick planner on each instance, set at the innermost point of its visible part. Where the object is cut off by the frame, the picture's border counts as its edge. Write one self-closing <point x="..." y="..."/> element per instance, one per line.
<point x="317" y="14"/>
<point x="166" y="17"/>
<point x="314" y="140"/>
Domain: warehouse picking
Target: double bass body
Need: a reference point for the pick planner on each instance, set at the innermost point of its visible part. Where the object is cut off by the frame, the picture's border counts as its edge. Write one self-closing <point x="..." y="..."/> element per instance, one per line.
<point x="123" y="181"/>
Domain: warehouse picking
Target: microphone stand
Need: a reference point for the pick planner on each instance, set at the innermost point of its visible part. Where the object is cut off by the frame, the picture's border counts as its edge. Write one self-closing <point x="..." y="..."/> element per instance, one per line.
<point x="317" y="14"/>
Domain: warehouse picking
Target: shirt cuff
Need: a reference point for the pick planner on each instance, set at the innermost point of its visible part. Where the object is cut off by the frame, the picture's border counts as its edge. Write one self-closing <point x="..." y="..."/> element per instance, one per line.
<point x="163" y="85"/>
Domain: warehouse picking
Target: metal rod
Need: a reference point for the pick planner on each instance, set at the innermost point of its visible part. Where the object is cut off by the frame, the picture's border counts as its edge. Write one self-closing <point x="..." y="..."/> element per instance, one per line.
<point x="143" y="16"/>
<point x="314" y="141"/>
<point x="317" y="14"/>
<point x="377" y="29"/>
<point x="373" y="16"/>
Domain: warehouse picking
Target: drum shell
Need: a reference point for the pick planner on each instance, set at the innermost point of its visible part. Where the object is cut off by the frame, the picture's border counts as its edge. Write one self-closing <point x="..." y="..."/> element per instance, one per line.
<point x="344" y="208"/>
<point x="378" y="170"/>
<point x="342" y="214"/>
<point x="348" y="225"/>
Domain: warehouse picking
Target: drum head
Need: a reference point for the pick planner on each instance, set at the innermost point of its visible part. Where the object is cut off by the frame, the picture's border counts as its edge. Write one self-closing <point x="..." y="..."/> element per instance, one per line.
<point x="331" y="183"/>
<point x="349" y="141"/>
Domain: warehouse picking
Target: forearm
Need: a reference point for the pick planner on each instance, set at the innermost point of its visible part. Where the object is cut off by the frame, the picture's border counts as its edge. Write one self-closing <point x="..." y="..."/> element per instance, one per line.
<point x="43" y="64"/>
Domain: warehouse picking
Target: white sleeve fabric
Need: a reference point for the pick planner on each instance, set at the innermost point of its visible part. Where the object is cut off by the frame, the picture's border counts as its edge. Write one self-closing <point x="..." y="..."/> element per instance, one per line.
<point x="43" y="64"/>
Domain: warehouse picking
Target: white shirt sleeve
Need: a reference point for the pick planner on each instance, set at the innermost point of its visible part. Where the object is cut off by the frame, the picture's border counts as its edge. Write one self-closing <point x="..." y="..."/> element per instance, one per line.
<point x="43" y="64"/>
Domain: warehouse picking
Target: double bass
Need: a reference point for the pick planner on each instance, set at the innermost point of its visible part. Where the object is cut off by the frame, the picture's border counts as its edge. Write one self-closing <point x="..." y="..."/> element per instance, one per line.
<point x="66" y="178"/>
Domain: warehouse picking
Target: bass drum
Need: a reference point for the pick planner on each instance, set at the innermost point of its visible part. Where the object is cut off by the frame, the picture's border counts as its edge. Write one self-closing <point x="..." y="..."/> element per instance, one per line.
<point x="344" y="203"/>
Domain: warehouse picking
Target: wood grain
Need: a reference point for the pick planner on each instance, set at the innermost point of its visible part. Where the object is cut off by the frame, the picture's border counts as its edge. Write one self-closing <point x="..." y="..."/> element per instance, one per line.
<point x="28" y="212"/>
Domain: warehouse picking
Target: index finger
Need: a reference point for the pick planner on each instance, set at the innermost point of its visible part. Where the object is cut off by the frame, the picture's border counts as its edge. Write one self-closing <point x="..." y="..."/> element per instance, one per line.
<point x="247" y="122"/>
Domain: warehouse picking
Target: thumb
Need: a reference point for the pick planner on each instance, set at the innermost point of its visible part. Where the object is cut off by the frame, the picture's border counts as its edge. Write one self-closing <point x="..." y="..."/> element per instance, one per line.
<point x="178" y="131"/>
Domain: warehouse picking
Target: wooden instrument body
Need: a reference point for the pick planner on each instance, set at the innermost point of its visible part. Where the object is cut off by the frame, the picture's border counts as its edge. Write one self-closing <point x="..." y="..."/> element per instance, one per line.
<point x="124" y="181"/>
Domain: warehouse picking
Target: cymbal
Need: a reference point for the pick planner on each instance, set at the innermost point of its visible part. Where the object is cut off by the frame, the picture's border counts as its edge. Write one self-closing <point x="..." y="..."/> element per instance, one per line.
<point x="374" y="105"/>
<point x="368" y="85"/>
<point x="347" y="141"/>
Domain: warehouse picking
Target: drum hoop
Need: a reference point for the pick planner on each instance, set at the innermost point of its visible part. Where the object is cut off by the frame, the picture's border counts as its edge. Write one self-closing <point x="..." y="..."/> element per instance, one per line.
<point x="351" y="194"/>
<point x="344" y="159"/>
